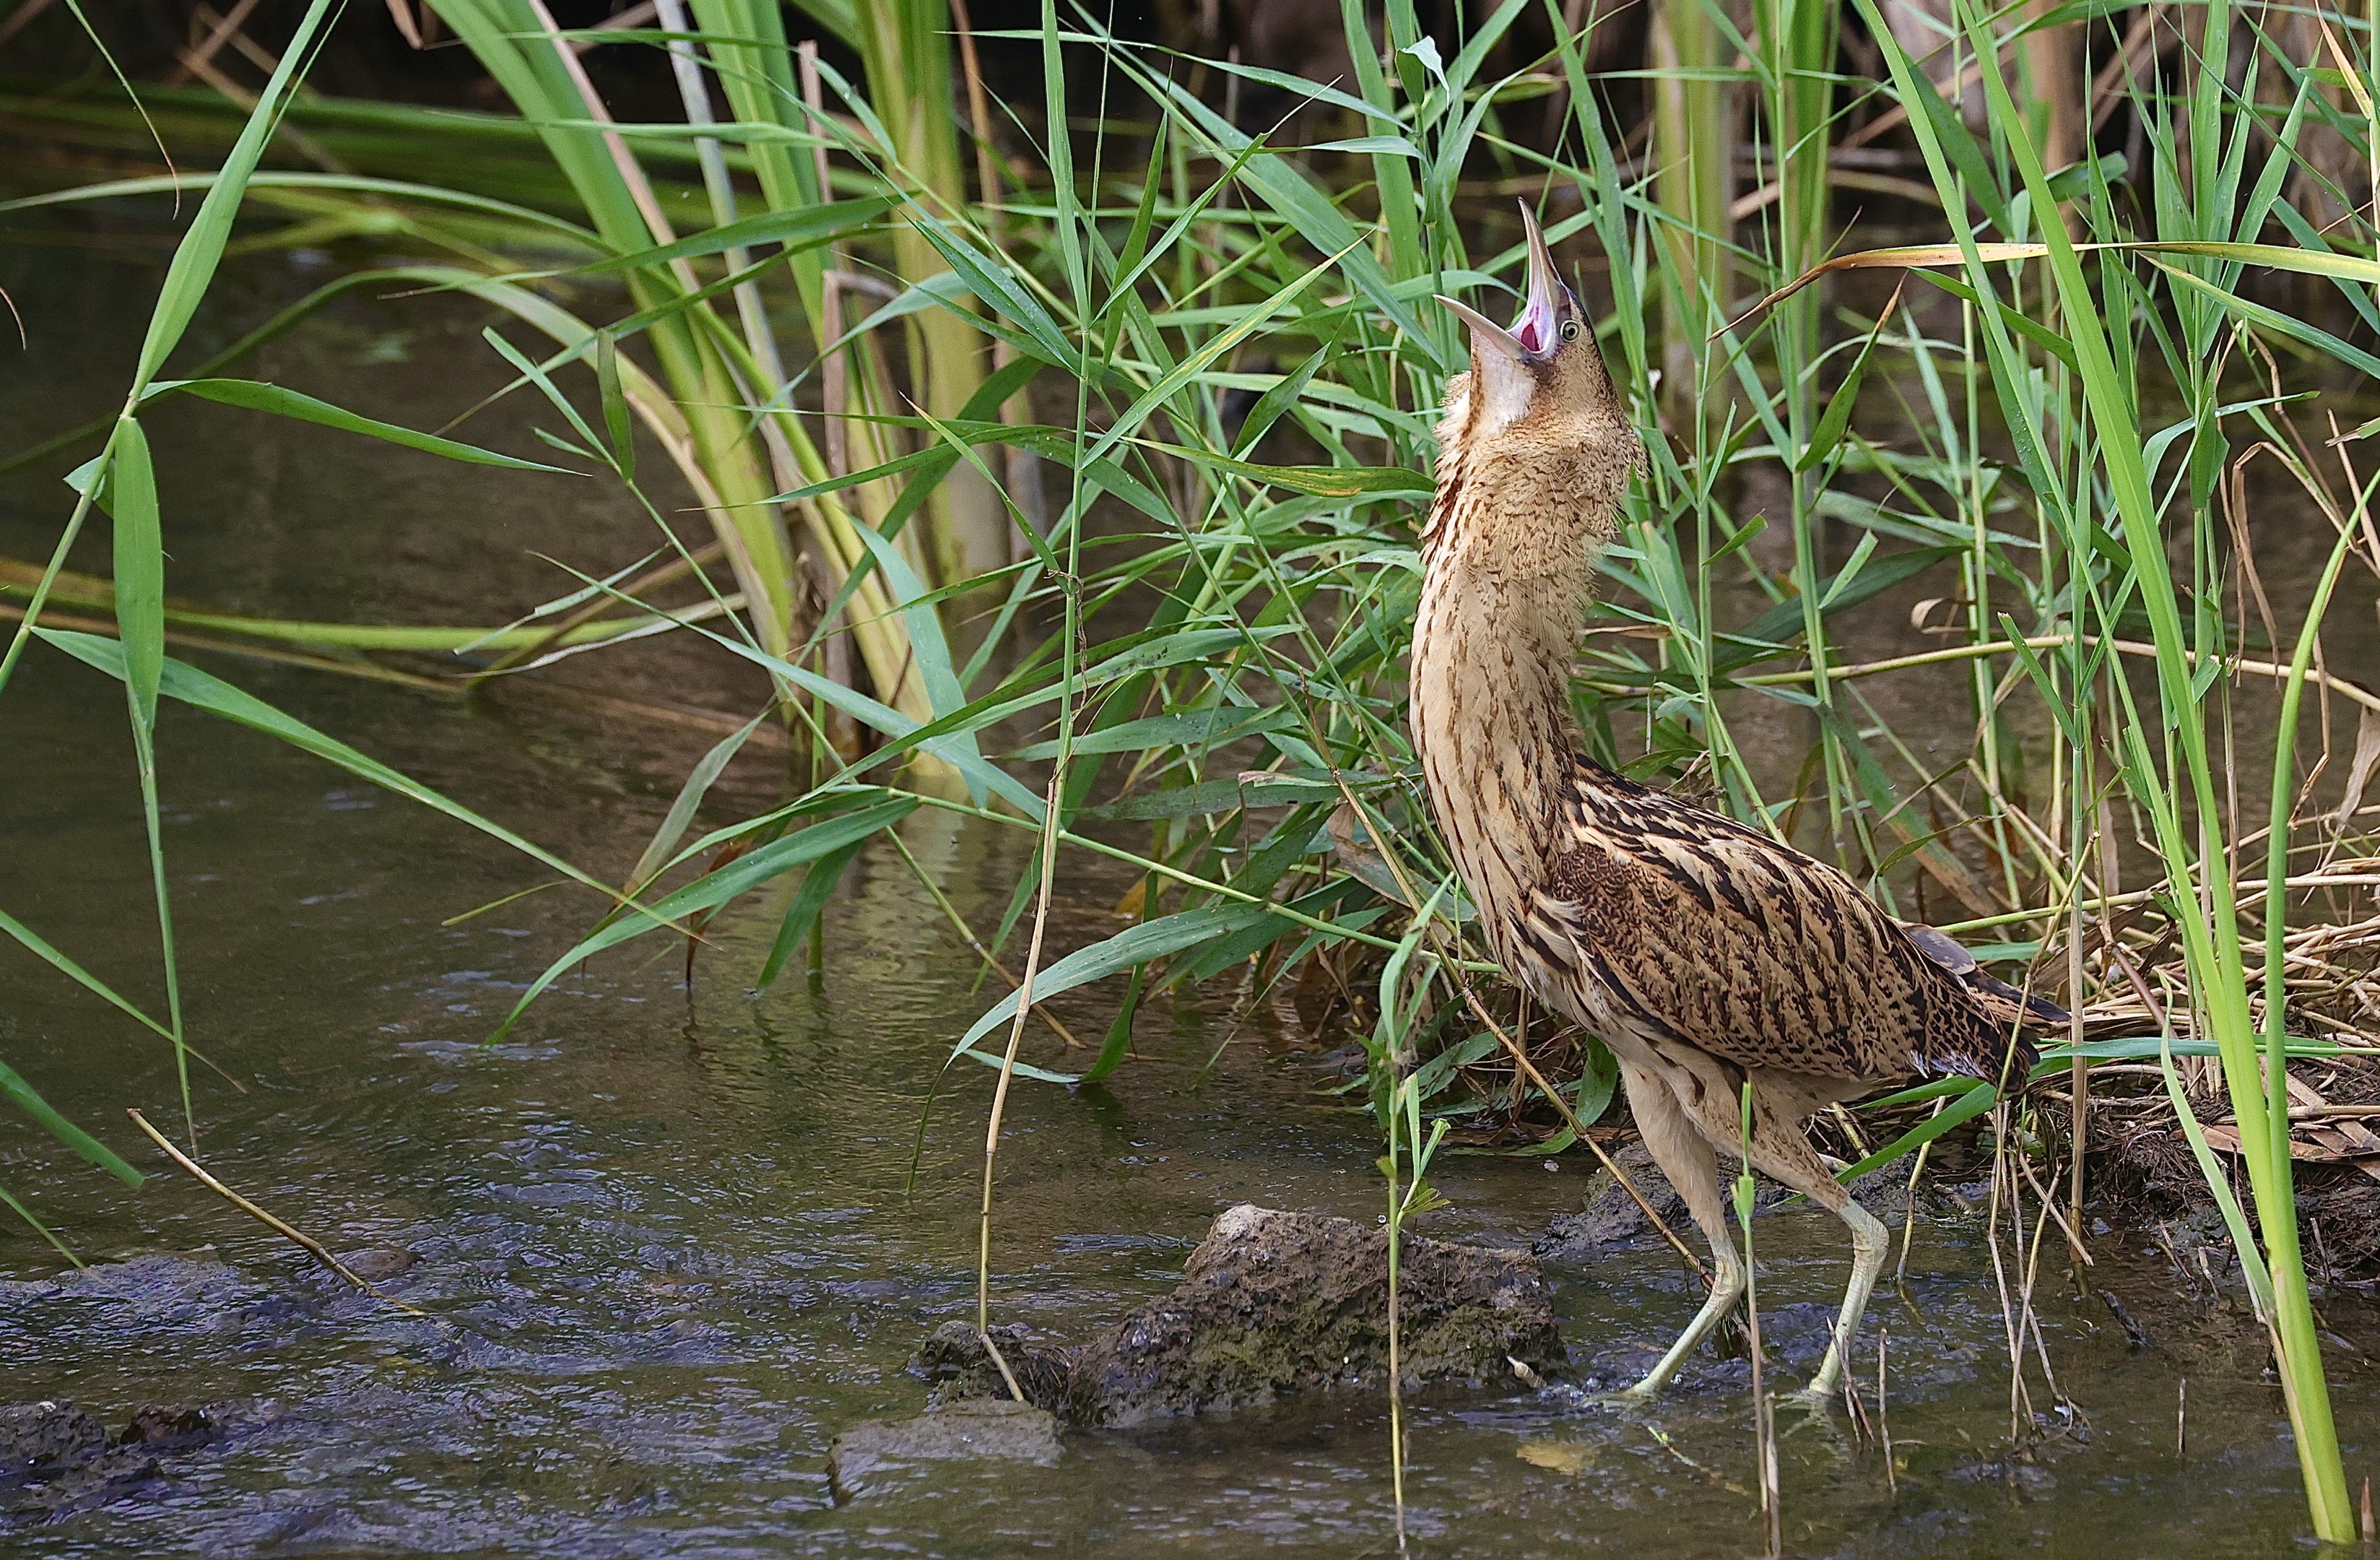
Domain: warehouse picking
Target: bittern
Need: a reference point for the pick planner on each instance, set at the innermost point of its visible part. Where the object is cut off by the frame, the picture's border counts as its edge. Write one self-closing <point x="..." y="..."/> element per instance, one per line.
<point x="1706" y="954"/>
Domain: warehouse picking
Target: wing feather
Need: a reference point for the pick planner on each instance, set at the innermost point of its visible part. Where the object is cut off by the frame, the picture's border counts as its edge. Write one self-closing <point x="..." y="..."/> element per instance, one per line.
<point x="1749" y="950"/>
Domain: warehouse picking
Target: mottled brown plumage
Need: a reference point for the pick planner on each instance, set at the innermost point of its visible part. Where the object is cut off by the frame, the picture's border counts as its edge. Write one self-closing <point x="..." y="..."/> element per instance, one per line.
<point x="1706" y="954"/>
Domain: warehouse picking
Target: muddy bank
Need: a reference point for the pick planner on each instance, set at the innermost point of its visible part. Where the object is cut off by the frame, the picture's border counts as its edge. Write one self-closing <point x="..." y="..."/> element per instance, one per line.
<point x="2140" y="1173"/>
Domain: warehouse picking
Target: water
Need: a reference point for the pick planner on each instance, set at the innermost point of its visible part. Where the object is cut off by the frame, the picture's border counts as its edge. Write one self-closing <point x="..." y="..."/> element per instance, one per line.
<point x="682" y="1240"/>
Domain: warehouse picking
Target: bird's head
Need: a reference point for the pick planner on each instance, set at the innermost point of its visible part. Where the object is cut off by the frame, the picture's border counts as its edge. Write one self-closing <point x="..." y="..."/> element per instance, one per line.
<point x="1545" y="371"/>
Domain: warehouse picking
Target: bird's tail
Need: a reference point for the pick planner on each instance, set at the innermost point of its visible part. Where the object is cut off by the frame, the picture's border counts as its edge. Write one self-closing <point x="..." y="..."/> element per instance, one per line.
<point x="2013" y="1012"/>
<point x="2008" y="1011"/>
<point x="2003" y="1002"/>
<point x="2008" y="1006"/>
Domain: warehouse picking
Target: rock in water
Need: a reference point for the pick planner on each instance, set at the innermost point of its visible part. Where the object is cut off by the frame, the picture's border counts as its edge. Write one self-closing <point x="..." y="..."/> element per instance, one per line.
<point x="1611" y="1221"/>
<point x="980" y="1428"/>
<point x="56" y="1460"/>
<point x="1273" y="1303"/>
<point x="43" y="1441"/>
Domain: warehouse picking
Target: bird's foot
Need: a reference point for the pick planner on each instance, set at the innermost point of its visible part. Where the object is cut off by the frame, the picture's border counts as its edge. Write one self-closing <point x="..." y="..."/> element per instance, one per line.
<point x="1798" y="1412"/>
<point x="1629" y="1399"/>
<point x="1812" y="1407"/>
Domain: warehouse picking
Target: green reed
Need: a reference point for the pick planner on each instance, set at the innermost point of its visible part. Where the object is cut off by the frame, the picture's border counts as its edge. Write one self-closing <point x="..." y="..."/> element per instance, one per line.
<point x="2164" y="753"/>
<point x="1396" y="1106"/>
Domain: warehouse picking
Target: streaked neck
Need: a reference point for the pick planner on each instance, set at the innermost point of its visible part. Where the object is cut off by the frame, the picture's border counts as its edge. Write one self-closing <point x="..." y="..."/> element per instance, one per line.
<point x="1491" y="716"/>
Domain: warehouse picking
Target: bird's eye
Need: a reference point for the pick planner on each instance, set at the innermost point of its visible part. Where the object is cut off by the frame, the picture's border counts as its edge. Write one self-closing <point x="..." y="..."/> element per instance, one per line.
<point x="1569" y="329"/>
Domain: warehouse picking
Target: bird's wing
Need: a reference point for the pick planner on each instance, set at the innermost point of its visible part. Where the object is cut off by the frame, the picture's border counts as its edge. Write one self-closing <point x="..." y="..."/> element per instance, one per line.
<point x="1694" y="926"/>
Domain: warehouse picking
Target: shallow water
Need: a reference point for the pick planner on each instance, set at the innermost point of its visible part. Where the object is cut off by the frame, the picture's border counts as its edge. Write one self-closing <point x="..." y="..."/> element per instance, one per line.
<point x="677" y="1242"/>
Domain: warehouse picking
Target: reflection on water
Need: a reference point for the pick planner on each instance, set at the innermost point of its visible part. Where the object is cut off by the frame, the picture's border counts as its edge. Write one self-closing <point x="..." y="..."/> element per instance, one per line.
<point x="681" y="1240"/>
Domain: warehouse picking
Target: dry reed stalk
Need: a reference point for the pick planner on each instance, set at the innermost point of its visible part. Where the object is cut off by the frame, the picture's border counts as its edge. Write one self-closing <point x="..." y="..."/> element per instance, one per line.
<point x="1008" y="1058"/>
<point x="288" y="1231"/>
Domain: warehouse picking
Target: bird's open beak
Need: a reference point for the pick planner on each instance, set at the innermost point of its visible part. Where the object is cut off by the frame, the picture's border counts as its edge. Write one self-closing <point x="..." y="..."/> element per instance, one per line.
<point x="1535" y="327"/>
<point x="1486" y="335"/>
<point x="1533" y="334"/>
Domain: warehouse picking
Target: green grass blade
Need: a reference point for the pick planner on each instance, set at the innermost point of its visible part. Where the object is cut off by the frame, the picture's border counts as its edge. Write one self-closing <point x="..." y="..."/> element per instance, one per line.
<point x="140" y="566"/>
<point x="279" y="402"/>
<point x="838" y="17"/>
<point x="398" y="188"/>
<point x="2218" y="1183"/>
<point x="799" y="228"/>
<point x="139" y="569"/>
<point x="674" y="823"/>
<point x="24" y="1097"/>
<point x="1134" y="945"/>
<point x="617" y="427"/>
<point x="808" y="904"/>
<point x="713" y="889"/>
<point x="38" y="1228"/>
<point x="197" y="688"/>
<point x="40" y="948"/>
<point x="1970" y="1105"/>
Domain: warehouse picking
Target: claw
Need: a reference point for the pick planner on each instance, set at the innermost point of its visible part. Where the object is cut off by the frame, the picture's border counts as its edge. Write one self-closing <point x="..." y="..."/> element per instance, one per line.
<point x="1814" y="1408"/>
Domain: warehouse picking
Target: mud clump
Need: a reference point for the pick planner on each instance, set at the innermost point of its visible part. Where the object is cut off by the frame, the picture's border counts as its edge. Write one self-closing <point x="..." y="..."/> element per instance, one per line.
<point x="960" y="1369"/>
<point x="1273" y="1304"/>
<point x="167" y="1428"/>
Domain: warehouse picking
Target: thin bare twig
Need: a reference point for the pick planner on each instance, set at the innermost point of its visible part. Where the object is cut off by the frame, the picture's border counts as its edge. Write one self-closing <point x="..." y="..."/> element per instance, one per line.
<point x="194" y="61"/>
<point x="1882" y="1419"/>
<point x="1578" y="1129"/>
<point x="316" y="1249"/>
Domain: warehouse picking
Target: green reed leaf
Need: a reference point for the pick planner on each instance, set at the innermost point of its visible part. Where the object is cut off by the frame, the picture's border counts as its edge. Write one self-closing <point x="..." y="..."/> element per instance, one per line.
<point x="192" y="268"/>
<point x="280" y="402"/>
<point x="25" y="1098"/>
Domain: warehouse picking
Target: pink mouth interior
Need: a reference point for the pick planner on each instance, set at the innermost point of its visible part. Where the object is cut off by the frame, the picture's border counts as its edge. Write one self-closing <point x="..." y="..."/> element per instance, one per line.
<point x="1534" y="329"/>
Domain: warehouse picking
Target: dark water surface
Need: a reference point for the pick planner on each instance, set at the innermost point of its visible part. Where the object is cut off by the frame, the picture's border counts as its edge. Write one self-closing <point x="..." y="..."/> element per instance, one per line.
<point x="681" y="1240"/>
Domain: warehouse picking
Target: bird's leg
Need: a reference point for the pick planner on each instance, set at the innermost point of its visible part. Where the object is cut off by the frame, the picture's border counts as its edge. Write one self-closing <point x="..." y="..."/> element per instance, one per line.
<point x="1781" y="1151"/>
<point x="1779" y="1147"/>
<point x="1870" y="1241"/>
<point x="1727" y="1290"/>
<point x="1685" y="1157"/>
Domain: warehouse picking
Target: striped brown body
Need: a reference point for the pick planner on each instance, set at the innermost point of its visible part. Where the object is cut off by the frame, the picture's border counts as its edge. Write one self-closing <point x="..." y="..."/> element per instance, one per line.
<point x="1661" y="926"/>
